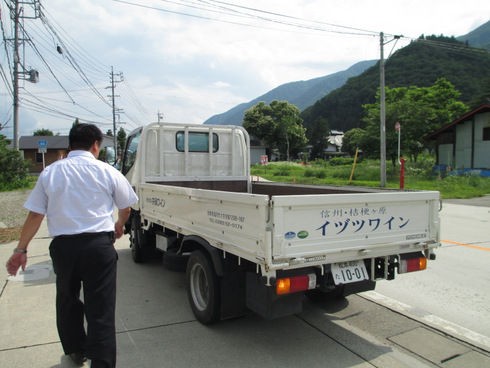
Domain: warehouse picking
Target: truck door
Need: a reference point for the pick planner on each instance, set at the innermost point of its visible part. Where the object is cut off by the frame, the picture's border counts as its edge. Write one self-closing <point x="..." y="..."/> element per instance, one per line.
<point x="129" y="156"/>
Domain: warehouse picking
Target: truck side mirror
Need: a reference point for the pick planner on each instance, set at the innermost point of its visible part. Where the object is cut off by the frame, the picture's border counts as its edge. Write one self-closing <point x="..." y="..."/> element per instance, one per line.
<point x="108" y="154"/>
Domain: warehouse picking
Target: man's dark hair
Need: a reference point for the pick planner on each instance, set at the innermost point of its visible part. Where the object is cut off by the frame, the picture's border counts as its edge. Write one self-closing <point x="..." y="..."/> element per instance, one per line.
<point x="83" y="136"/>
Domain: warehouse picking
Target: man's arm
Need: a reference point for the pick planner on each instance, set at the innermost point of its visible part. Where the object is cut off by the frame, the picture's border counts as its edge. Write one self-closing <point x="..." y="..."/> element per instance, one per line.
<point x="122" y="217"/>
<point x="19" y="258"/>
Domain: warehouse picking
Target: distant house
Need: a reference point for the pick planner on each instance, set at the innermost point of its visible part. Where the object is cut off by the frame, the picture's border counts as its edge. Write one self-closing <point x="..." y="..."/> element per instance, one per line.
<point x="334" y="141"/>
<point x="56" y="149"/>
<point x="464" y="144"/>
<point x="257" y="150"/>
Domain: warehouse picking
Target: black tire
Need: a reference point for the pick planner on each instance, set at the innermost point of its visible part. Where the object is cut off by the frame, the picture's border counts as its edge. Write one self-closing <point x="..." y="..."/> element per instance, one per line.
<point x="203" y="288"/>
<point x="141" y="250"/>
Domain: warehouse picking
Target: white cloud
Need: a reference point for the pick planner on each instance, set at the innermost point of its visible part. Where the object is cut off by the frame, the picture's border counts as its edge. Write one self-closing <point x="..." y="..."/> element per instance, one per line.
<point x="220" y="84"/>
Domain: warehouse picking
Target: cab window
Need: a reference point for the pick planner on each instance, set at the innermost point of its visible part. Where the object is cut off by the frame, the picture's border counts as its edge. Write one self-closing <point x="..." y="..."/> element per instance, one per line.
<point x="198" y="142"/>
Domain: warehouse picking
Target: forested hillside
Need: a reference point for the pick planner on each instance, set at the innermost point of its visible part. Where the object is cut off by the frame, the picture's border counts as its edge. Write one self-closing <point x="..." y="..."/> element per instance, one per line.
<point x="419" y="64"/>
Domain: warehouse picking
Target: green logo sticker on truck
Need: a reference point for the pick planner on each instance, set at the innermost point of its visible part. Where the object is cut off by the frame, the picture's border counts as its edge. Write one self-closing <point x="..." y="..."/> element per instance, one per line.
<point x="303" y="234"/>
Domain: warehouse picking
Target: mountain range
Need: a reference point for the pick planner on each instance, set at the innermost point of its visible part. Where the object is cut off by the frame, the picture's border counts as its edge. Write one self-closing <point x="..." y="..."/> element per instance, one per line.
<point x="300" y="93"/>
<point x="331" y="97"/>
<point x="480" y="37"/>
<point x="420" y="64"/>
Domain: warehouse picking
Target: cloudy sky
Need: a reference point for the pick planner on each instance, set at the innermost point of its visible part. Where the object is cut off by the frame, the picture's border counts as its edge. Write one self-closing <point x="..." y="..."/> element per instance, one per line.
<point x="191" y="59"/>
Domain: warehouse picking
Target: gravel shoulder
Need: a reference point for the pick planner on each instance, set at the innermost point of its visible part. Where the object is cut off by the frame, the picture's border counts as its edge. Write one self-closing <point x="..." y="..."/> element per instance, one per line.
<point x="12" y="211"/>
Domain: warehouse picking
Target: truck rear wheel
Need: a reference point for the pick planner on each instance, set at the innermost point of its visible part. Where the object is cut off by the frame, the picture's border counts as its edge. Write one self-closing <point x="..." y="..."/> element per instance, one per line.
<point x="203" y="288"/>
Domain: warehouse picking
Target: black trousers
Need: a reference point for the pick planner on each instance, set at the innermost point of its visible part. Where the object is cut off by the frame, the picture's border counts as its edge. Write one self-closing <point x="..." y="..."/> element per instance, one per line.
<point x="90" y="260"/>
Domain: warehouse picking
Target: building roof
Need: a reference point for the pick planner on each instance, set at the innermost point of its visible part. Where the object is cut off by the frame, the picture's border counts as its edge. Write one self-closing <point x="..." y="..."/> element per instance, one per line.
<point x="53" y="142"/>
<point x="479" y="110"/>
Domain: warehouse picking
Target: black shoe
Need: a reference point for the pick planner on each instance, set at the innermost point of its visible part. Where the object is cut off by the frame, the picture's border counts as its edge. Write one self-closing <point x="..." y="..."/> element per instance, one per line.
<point x="78" y="358"/>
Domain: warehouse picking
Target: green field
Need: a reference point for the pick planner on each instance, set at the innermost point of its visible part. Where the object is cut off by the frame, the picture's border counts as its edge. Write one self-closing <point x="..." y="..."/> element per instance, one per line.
<point x="337" y="171"/>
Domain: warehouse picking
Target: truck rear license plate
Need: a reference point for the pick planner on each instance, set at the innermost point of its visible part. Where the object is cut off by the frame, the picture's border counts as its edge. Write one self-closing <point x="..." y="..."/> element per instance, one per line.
<point x="347" y="272"/>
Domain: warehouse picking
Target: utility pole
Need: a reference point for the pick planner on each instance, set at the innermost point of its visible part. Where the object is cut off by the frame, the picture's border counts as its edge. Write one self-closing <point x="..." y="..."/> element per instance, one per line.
<point x="17" y="13"/>
<point x="382" y="113"/>
<point x="159" y="117"/>
<point x="113" y="98"/>
<point x="382" y="108"/>
<point x="16" y="74"/>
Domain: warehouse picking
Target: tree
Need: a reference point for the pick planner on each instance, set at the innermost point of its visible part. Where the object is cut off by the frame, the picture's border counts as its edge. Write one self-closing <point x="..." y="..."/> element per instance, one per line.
<point x="13" y="169"/>
<point x="278" y="125"/>
<point x="418" y="110"/>
<point x="317" y="135"/>
<point x="121" y="139"/>
<point x="352" y="140"/>
<point x="43" y="132"/>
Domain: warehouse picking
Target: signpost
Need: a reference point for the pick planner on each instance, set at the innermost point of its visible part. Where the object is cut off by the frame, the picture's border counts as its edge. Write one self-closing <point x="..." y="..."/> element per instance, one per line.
<point x="401" y="161"/>
<point x="398" y="129"/>
<point x="42" y="147"/>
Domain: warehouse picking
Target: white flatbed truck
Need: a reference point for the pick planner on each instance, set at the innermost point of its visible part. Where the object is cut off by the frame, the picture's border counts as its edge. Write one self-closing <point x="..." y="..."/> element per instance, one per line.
<point x="262" y="246"/>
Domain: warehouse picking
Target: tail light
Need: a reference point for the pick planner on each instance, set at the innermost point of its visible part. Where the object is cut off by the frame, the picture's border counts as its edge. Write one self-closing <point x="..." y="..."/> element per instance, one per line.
<point x="412" y="264"/>
<point x="294" y="284"/>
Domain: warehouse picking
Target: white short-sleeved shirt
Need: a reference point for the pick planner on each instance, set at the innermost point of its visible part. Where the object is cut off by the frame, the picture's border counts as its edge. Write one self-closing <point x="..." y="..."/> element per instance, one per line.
<point x="78" y="194"/>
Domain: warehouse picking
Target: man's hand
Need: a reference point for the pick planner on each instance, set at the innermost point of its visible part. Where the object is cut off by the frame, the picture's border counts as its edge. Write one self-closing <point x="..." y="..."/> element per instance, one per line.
<point x="118" y="230"/>
<point x="122" y="217"/>
<point x="15" y="261"/>
<point x="30" y="228"/>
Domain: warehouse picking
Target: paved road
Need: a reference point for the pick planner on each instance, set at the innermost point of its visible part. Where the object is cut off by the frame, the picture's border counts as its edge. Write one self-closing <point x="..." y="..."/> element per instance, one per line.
<point x="456" y="287"/>
<point x="156" y="328"/>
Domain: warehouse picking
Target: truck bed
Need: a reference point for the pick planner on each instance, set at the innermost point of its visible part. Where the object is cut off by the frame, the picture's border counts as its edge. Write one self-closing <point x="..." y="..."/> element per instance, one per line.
<point x="284" y="226"/>
<point x="268" y="188"/>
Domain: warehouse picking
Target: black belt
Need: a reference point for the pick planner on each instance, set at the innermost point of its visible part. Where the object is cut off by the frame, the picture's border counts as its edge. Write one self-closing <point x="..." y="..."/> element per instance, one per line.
<point x="110" y="234"/>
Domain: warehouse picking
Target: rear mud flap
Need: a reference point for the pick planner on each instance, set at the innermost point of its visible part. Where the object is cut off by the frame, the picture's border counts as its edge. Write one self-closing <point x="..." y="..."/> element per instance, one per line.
<point x="263" y="300"/>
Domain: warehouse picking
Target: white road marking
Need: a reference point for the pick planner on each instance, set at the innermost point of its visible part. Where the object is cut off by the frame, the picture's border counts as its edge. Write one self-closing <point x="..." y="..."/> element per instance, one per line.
<point x="431" y="320"/>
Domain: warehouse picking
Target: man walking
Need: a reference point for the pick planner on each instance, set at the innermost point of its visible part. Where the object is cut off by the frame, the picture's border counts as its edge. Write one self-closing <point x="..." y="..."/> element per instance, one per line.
<point x="77" y="195"/>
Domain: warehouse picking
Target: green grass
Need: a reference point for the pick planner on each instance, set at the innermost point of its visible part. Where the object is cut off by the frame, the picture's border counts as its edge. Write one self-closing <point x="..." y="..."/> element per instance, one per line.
<point x="25" y="184"/>
<point x="418" y="176"/>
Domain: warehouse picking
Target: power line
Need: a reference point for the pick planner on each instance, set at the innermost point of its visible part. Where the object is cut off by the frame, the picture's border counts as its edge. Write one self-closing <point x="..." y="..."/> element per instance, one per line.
<point x="230" y="6"/>
<point x="73" y="62"/>
<point x="40" y="107"/>
<point x="39" y="47"/>
<point x="7" y="84"/>
<point x="185" y="14"/>
<point x="71" y="55"/>
<point x="307" y="25"/>
<point x="34" y="47"/>
<point x="85" y="57"/>
<point x="135" y="99"/>
<point x="43" y="101"/>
